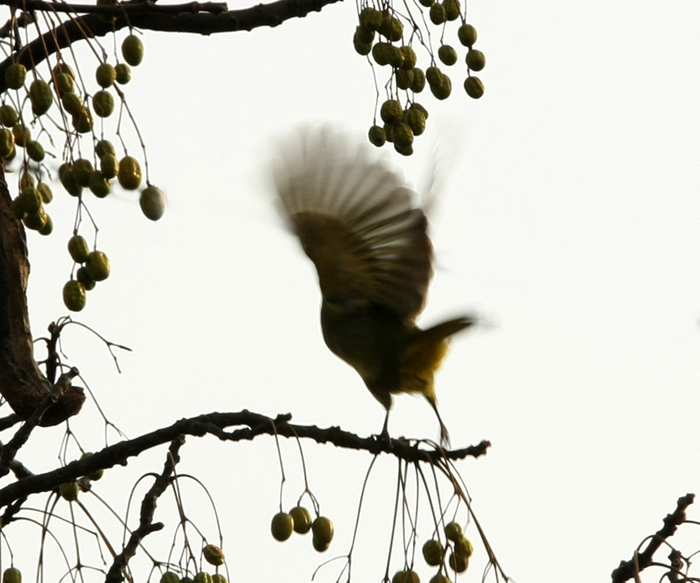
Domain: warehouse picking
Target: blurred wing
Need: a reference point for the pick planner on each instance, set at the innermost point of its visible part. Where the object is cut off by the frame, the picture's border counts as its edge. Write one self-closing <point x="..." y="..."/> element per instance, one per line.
<point x="355" y="220"/>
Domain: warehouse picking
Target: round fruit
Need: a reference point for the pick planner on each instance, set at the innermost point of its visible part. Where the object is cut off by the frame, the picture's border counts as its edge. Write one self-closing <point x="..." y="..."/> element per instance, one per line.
<point x="123" y="73"/>
<point x="129" y="174"/>
<point x="416" y="121"/>
<point x="74" y="298"/>
<point x="36" y="221"/>
<point x="69" y="491"/>
<point x="202" y="577"/>
<point x="97" y="265"/>
<point x="391" y="28"/>
<point x="371" y="18"/>
<point x="409" y="57"/>
<point x="72" y="103"/>
<point x="467" y="35"/>
<point x="81" y="170"/>
<point x="83" y="277"/>
<point x="64" y="83"/>
<point x="388" y="131"/>
<point x="377" y="136"/>
<point x="403" y="136"/>
<point x="25" y="179"/>
<point x="213" y="555"/>
<point x="218" y="578"/>
<point x="391" y="111"/>
<point x="8" y="115"/>
<point x="437" y="13"/>
<point x="360" y="47"/>
<point x="404" y="150"/>
<point x="381" y="52"/>
<point x="364" y="34"/>
<point x="427" y="3"/>
<point x="433" y="552"/>
<point x="476" y="60"/>
<point x="12" y="575"/>
<point x="35" y="151"/>
<point x="152" y="203"/>
<point x="169" y="577"/>
<point x="302" y="519"/>
<point x="405" y="577"/>
<point x="104" y="147"/>
<point x="109" y="165"/>
<point x="443" y="90"/>
<point x="440" y="578"/>
<point x="452" y="9"/>
<point x="404" y="78"/>
<point x="99" y="185"/>
<point x="67" y="178"/>
<point x="320" y="546"/>
<point x="45" y="192"/>
<point x="7" y="142"/>
<point x="103" y="103"/>
<point x="82" y="121"/>
<point x="322" y="529"/>
<point x="64" y="68"/>
<point x="447" y="55"/>
<point x="22" y="134"/>
<point x="434" y="76"/>
<point x="463" y="547"/>
<point x="31" y="200"/>
<point x="395" y="56"/>
<point x="40" y="96"/>
<point x="15" y="75"/>
<point x="47" y="229"/>
<point x="132" y="50"/>
<point x="474" y="87"/>
<point x="458" y="562"/>
<point x="105" y="75"/>
<point x="282" y="526"/>
<point x="453" y="531"/>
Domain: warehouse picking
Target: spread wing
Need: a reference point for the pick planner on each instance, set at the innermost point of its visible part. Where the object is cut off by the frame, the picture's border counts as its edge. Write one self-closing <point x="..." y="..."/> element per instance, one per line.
<point x="356" y="221"/>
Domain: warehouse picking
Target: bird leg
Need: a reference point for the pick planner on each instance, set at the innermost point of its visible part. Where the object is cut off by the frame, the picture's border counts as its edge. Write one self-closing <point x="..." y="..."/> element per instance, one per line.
<point x="385" y="430"/>
<point x="444" y="434"/>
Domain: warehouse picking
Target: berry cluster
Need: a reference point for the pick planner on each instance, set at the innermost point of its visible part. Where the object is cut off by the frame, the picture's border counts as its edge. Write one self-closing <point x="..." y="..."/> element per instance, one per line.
<point x="381" y="36"/>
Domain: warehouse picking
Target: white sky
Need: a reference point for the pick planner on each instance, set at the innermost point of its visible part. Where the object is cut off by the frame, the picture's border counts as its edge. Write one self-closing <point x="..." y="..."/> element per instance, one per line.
<point x="569" y="219"/>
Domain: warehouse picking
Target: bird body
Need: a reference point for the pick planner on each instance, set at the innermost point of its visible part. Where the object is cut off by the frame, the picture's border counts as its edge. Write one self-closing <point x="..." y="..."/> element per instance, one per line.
<point x="356" y="221"/>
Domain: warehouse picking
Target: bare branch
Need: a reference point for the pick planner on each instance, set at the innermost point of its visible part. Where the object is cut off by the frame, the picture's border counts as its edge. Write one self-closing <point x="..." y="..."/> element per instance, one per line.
<point x="63" y="386"/>
<point x="148" y="508"/>
<point x="640" y="561"/>
<point x="215" y="424"/>
<point x="153" y="17"/>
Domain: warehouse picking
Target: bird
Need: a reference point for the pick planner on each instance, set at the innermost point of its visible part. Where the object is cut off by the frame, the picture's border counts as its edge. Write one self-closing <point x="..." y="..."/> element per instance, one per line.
<point x="357" y="220"/>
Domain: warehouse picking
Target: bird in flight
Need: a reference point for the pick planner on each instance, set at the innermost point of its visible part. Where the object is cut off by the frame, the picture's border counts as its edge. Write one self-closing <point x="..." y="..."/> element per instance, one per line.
<point x="357" y="221"/>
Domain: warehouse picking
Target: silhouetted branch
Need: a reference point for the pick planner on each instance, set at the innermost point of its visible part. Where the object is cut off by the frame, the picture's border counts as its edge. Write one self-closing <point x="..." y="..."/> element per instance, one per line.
<point x="216" y="424"/>
<point x="21" y="382"/>
<point x="148" y="508"/>
<point x="150" y="16"/>
<point x="641" y="560"/>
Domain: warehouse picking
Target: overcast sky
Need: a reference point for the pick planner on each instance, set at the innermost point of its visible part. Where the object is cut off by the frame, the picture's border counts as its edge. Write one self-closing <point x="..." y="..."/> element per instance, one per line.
<point x="568" y="219"/>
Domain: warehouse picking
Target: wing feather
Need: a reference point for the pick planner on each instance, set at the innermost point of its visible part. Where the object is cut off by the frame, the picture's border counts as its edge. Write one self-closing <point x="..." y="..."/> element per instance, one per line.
<point x="356" y="220"/>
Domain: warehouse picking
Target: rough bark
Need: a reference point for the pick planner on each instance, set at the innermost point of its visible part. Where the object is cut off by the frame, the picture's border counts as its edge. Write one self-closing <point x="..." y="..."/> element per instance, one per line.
<point x="22" y="383"/>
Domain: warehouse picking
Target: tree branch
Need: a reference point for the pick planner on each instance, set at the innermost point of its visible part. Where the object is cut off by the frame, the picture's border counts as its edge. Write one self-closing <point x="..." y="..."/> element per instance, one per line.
<point x="146" y="15"/>
<point x="21" y="382"/>
<point x="640" y="561"/>
<point x="215" y="424"/>
<point x="148" y="509"/>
